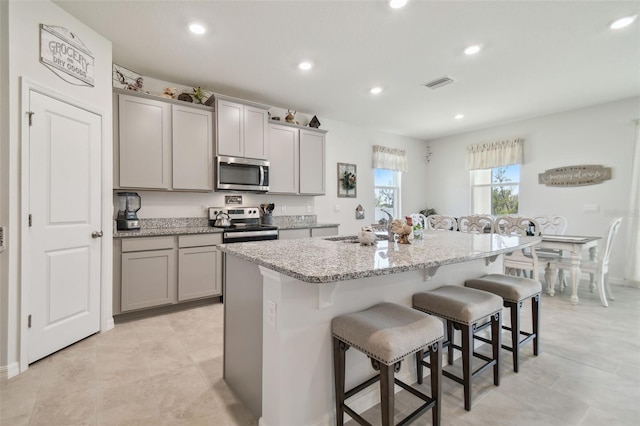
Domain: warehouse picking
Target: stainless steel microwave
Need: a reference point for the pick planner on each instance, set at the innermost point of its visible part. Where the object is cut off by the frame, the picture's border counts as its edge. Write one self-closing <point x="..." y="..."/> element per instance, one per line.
<point x="242" y="174"/>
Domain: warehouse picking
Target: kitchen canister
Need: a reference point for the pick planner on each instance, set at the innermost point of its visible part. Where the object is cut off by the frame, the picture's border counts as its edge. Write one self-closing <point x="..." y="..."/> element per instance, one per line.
<point x="267" y="219"/>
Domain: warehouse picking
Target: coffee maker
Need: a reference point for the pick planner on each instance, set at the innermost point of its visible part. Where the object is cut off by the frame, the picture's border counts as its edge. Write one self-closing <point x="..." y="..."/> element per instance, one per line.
<point x="128" y="205"/>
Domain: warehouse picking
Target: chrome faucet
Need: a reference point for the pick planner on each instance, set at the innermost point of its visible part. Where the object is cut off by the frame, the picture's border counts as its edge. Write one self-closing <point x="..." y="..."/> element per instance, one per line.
<point x="389" y="233"/>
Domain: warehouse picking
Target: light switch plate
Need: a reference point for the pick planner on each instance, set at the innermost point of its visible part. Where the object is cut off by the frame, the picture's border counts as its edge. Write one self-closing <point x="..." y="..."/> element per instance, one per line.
<point x="336" y="208"/>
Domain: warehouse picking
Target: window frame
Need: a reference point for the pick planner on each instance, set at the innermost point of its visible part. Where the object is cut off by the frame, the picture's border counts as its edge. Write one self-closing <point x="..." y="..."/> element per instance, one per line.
<point x="397" y="210"/>
<point x="491" y="185"/>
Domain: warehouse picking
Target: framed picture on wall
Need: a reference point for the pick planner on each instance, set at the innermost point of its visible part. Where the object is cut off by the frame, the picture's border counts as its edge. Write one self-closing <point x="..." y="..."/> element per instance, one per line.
<point x="347" y="182"/>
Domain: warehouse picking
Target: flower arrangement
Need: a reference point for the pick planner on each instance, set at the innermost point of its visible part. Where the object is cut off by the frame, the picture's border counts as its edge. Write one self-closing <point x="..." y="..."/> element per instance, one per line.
<point x="348" y="180"/>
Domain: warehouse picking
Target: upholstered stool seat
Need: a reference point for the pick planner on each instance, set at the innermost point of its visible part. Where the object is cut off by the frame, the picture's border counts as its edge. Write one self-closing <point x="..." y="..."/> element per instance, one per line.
<point x="514" y="291"/>
<point x="387" y="333"/>
<point x="464" y="309"/>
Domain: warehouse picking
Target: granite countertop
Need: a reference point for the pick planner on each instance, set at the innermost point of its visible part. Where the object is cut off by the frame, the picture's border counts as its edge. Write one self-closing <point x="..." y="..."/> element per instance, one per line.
<point x="308" y="225"/>
<point x="159" y="227"/>
<point x="319" y="260"/>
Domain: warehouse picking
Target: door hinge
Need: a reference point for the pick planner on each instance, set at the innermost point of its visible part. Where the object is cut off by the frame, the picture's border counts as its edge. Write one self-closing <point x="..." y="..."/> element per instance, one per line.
<point x="30" y="220"/>
<point x="29" y="321"/>
<point x="30" y="114"/>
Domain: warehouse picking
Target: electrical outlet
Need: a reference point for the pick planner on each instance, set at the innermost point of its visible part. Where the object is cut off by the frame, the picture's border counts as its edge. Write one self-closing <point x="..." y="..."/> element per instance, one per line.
<point x="308" y="209"/>
<point x="272" y="312"/>
<point x="590" y="208"/>
<point x="336" y="208"/>
<point x="283" y="208"/>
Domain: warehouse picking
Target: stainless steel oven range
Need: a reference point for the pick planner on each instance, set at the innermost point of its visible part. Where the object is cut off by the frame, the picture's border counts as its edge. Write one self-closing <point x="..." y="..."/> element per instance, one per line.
<point x="241" y="224"/>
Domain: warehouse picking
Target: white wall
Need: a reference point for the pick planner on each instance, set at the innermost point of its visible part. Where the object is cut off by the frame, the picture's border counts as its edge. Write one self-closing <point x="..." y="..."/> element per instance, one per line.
<point x="601" y="134"/>
<point x="345" y="144"/>
<point x="23" y="42"/>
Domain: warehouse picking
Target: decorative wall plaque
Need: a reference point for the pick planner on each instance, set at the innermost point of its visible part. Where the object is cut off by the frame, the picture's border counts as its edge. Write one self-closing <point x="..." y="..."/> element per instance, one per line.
<point x="575" y="175"/>
<point x="66" y="55"/>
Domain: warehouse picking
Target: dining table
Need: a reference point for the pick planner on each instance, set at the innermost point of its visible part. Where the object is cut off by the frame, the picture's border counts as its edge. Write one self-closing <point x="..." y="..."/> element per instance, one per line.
<point x="574" y="245"/>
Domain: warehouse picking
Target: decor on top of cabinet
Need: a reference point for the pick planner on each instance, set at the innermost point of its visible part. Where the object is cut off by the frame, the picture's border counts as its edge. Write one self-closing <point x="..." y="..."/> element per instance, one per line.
<point x="347" y="185"/>
<point x="169" y="92"/>
<point x="199" y="95"/>
<point x="359" y="212"/>
<point x="185" y="97"/>
<point x="315" y="123"/>
<point x="291" y="117"/>
<point x="126" y="79"/>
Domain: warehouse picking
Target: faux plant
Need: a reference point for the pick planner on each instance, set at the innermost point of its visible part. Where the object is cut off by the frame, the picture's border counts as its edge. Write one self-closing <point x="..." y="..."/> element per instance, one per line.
<point x="198" y="94"/>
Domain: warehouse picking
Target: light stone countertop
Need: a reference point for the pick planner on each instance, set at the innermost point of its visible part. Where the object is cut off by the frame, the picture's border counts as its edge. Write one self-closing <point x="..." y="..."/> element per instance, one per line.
<point x="186" y="230"/>
<point x="318" y="260"/>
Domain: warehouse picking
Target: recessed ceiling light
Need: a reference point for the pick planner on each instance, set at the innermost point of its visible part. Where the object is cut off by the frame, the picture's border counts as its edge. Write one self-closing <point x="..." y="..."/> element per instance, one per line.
<point x="458" y="116"/>
<point x="473" y="49"/>
<point x="375" y="90"/>
<point x="397" y="4"/>
<point x="305" y="66"/>
<point x="197" y="29"/>
<point x="623" y="22"/>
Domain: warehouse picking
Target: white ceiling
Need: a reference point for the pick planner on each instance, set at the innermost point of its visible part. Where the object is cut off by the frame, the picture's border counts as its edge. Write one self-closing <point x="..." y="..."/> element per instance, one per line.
<point x="538" y="57"/>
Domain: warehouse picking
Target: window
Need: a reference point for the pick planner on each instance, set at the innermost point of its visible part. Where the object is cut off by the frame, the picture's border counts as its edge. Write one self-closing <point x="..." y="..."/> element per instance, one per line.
<point x="495" y="191"/>
<point x="387" y="193"/>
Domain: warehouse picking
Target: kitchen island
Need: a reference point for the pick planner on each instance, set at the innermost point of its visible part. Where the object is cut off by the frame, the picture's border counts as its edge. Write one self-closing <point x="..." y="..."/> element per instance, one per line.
<point x="280" y="298"/>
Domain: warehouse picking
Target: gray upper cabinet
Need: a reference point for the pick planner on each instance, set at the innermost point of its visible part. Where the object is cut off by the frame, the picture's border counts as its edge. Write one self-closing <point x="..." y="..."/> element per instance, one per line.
<point x="162" y="144"/>
<point x="297" y="159"/>
<point x="241" y="128"/>
<point x="192" y="148"/>
<point x="145" y="143"/>
<point x="283" y="159"/>
<point x="312" y="162"/>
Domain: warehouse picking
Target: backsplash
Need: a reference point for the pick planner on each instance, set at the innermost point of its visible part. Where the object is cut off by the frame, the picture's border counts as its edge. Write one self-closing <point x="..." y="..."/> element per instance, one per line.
<point x="307" y="219"/>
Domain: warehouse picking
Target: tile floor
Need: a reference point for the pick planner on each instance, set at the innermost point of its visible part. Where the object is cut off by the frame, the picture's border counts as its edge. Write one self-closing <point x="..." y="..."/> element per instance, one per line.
<point x="167" y="370"/>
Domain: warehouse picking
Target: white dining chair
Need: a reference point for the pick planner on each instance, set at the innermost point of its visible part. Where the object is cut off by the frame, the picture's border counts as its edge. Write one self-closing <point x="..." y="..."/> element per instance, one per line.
<point x="476" y="224"/>
<point x="440" y="222"/>
<point x="519" y="260"/>
<point x="598" y="268"/>
<point x="419" y="219"/>
<point x="551" y="225"/>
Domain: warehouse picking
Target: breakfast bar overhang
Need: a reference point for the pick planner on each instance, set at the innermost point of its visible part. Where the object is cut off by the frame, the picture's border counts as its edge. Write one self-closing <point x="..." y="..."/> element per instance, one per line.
<point x="280" y="298"/>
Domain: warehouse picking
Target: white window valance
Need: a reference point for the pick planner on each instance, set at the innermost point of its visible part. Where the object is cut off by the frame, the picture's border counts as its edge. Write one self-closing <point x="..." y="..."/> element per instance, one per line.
<point x="495" y="154"/>
<point x="389" y="158"/>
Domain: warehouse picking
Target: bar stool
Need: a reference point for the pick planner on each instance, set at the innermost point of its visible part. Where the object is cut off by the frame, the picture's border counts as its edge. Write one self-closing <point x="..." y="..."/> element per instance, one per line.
<point x="463" y="309"/>
<point x="387" y="333"/>
<point x="514" y="291"/>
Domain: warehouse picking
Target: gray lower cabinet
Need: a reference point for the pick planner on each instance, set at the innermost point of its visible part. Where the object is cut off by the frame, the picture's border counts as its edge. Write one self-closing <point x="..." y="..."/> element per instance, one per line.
<point x="199" y="267"/>
<point x="156" y="271"/>
<point x="149" y="276"/>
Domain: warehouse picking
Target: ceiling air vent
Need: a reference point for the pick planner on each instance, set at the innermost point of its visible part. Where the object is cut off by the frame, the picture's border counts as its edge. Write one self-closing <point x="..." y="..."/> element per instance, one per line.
<point x="439" y="82"/>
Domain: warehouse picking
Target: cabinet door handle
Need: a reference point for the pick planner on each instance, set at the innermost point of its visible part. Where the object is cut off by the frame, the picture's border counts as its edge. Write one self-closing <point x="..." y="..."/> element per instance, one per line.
<point x="96" y="234"/>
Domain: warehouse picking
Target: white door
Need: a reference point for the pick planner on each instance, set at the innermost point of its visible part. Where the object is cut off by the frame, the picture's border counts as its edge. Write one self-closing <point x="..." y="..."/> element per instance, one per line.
<point x="63" y="259"/>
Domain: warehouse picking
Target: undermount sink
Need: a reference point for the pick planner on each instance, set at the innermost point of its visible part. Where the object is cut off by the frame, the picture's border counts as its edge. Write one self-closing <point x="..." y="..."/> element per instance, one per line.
<point x="352" y="238"/>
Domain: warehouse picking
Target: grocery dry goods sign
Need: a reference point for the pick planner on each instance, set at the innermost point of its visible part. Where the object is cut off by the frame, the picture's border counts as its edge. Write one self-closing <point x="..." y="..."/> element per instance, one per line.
<point x="66" y="55"/>
<point x="575" y="175"/>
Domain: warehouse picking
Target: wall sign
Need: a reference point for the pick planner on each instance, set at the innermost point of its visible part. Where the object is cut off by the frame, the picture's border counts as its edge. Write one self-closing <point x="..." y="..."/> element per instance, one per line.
<point x="66" y="55"/>
<point x="575" y="175"/>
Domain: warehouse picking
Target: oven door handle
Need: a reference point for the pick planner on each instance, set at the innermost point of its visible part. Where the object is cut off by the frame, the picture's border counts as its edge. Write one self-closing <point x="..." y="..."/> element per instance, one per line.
<point x="237" y="235"/>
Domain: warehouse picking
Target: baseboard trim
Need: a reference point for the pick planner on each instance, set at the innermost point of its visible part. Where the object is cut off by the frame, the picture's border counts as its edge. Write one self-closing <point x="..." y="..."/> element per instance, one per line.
<point x="9" y="371"/>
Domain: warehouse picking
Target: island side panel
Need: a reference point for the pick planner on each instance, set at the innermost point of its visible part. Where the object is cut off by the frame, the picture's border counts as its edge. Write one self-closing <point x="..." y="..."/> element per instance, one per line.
<point x="243" y="331"/>
<point x="297" y="357"/>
